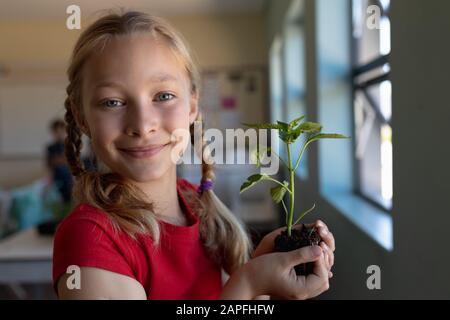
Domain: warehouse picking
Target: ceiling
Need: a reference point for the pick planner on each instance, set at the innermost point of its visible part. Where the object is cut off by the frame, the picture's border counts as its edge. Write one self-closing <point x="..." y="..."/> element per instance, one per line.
<point x="54" y="9"/>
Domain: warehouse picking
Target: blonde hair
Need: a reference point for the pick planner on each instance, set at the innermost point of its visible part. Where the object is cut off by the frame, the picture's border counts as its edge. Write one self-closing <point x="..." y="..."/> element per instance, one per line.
<point x="223" y="235"/>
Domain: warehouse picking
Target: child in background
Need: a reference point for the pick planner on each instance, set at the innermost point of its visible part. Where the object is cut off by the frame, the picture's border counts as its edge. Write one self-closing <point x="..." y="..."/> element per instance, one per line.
<point x="56" y="161"/>
<point x="138" y="231"/>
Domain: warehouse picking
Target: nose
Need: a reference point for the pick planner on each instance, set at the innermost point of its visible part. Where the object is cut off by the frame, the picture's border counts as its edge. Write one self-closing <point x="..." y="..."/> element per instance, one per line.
<point x="141" y="119"/>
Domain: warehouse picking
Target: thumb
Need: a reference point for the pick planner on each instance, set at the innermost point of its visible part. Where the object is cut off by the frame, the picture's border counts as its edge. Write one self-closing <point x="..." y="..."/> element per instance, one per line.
<point x="305" y="254"/>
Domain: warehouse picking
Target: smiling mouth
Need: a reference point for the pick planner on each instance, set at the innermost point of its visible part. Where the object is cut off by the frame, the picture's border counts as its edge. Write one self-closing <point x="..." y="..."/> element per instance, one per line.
<point x="143" y="152"/>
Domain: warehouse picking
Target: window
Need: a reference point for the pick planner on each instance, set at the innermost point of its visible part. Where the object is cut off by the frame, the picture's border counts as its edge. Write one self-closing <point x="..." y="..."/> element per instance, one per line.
<point x="295" y="75"/>
<point x="372" y="91"/>
<point x="288" y="76"/>
<point x="276" y="82"/>
<point x="336" y="112"/>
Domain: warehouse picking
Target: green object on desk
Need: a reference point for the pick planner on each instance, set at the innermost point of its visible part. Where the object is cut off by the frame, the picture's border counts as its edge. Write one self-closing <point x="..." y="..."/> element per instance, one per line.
<point x="37" y="203"/>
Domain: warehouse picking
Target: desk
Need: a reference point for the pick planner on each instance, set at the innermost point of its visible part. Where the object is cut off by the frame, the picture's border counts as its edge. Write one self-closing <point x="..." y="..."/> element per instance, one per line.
<point x="26" y="257"/>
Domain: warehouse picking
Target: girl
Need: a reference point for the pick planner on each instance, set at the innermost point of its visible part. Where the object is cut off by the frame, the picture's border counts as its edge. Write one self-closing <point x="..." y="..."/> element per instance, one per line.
<point x="138" y="231"/>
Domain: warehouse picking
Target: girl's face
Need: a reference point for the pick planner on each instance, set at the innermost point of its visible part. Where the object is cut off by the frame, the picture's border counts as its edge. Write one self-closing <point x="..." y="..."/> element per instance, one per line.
<point x="135" y="94"/>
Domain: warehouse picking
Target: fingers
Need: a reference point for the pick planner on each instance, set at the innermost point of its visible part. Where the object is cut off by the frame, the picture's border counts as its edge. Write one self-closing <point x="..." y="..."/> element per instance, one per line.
<point x="329" y="258"/>
<point x="324" y="233"/>
<point x="325" y="255"/>
<point x="328" y="238"/>
<point x="329" y="255"/>
<point x="317" y="282"/>
<point x="322" y="284"/>
<point x="301" y="287"/>
<point x="302" y="255"/>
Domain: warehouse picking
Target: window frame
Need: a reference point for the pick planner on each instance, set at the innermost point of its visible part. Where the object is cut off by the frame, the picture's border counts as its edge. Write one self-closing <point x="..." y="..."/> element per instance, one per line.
<point x="358" y="70"/>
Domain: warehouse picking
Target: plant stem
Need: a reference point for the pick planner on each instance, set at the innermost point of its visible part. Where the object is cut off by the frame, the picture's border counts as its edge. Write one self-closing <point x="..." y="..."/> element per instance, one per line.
<point x="301" y="154"/>
<point x="291" y="194"/>
<point x="285" y="212"/>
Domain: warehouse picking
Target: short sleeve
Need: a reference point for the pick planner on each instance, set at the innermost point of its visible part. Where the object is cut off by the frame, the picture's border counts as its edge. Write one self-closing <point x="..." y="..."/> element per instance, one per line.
<point x="185" y="184"/>
<point x="87" y="242"/>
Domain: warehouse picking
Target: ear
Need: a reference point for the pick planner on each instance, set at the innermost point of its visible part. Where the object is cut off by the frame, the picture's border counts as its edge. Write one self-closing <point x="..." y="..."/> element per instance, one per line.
<point x="193" y="108"/>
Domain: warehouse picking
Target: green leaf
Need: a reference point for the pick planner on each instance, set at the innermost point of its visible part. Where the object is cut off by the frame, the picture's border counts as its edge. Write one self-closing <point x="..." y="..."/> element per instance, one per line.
<point x="284" y="136"/>
<point x="326" y="136"/>
<point x="291" y="134"/>
<point x="295" y="122"/>
<point x="310" y="127"/>
<point x="288" y="137"/>
<point x="278" y="192"/>
<point x="252" y="180"/>
<point x="262" y="125"/>
<point x="283" y="125"/>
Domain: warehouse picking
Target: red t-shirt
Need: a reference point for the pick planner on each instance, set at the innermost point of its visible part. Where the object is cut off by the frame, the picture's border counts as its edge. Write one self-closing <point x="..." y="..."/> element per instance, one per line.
<point x="180" y="269"/>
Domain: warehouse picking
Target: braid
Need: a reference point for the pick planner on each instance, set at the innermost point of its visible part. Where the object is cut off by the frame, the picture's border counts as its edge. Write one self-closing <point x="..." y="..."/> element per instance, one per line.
<point x="223" y="234"/>
<point x="207" y="162"/>
<point x="202" y="150"/>
<point x="73" y="142"/>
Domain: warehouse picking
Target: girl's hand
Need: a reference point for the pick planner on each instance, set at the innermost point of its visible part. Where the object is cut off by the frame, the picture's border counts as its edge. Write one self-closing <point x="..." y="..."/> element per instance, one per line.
<point x="328" y="244"/>
<point x="273" y="274"/>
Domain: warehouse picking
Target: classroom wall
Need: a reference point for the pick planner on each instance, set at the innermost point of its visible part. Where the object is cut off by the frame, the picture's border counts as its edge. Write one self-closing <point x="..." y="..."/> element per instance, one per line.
<point x="418" y="266"/>
<point x="38" y="51"/>
<point x="218" y="40"/>
<point x="421" y="113"/>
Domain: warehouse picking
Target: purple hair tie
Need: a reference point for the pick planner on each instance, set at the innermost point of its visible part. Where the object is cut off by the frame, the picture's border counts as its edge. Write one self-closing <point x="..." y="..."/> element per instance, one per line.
<point x="205" y="185"/>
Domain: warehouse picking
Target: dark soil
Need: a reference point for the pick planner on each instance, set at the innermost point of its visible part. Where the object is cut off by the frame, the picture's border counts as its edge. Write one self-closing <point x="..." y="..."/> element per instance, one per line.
<point x="299" y="238"/>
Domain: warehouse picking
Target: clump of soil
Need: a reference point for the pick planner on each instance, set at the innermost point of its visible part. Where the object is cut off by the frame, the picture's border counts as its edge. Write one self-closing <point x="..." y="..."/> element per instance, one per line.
<point x="299" y="238"/>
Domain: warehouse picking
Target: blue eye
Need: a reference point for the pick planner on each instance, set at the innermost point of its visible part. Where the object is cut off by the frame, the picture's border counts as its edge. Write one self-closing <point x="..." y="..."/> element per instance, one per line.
<point x="165" y="96"/>
<point x="112" y="103"/>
